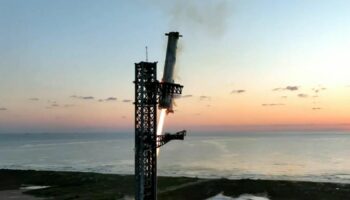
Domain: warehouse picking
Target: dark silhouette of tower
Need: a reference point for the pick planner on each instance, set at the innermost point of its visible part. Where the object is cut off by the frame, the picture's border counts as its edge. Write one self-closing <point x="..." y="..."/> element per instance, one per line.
<point x="148" y="93"/>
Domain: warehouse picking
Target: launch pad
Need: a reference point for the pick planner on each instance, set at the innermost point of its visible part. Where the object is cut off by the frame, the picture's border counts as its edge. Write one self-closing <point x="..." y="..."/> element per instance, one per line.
<point x="150" y="93"/>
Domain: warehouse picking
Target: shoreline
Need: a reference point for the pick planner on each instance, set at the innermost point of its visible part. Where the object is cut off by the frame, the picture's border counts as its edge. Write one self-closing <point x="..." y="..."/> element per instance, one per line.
<point x="89" y="185"/>
<point x="320" y="178"/>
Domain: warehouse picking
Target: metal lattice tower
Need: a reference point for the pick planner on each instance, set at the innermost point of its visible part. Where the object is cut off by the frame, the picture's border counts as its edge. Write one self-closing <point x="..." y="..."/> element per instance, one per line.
<point x="146" y="94"/>
<point x="149" y="94"/>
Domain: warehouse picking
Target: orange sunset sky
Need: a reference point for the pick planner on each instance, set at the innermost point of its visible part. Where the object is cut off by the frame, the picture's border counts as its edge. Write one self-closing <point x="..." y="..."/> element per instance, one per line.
<point x="68" y="66"/>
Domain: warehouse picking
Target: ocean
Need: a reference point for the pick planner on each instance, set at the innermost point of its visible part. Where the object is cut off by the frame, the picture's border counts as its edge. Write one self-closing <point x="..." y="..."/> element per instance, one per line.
<point x="321" y="157"/>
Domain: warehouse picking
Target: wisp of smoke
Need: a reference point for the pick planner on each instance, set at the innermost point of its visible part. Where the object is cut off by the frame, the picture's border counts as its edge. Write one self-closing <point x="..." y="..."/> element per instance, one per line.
<point x="208" y="16"/>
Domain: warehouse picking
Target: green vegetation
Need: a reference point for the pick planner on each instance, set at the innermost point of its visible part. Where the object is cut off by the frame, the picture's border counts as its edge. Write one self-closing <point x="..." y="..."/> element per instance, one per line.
<point x="83" y="186"/>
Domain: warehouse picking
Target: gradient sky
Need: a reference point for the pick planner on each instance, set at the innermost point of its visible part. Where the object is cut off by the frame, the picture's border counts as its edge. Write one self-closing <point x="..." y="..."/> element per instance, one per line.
<point x="245" y="64"/>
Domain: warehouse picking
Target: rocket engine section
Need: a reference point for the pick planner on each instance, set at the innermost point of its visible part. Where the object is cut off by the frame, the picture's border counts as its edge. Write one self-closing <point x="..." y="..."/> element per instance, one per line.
<point x="167" y="83"/>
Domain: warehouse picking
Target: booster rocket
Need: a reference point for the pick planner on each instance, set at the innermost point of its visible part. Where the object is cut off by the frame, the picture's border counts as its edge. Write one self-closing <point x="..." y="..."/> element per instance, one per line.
<point x="166" y="100"/>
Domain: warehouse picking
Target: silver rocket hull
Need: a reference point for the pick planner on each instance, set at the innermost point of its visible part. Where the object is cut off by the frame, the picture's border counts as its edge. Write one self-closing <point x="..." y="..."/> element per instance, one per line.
<point x="166" y="102"/>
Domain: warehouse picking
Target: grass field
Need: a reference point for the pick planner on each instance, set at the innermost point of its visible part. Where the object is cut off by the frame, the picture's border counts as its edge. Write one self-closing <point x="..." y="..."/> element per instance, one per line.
<point x="83" y="185"/>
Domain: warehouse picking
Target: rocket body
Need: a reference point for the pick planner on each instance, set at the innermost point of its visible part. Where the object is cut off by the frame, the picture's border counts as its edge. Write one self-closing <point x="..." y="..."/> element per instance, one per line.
<point x="166" y="101"/>
<point x="170" y="58"/>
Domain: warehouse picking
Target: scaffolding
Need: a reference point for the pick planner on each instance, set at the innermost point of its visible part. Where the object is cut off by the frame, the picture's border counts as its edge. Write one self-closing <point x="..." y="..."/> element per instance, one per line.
<point x="148" y="92"/>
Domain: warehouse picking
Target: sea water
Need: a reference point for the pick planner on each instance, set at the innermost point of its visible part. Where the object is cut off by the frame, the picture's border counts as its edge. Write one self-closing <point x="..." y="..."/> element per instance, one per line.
<point x="322" y="156"/>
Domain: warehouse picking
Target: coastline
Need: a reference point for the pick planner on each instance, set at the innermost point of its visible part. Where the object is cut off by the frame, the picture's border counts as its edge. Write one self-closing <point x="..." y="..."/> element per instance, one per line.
<point x="87" y="185"/>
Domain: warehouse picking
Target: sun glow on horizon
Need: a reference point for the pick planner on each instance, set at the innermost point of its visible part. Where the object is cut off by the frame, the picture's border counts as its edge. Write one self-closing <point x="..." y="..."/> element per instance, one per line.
<point x="261" y="65"/>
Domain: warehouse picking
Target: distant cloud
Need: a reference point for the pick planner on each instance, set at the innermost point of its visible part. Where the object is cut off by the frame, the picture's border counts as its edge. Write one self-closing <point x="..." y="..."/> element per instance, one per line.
<point x="301" y="95"/>
<point x="126" y="100"/>
<point x="273" y="104"/>
<point x="316" y="108"/>
<point x="68" y="105"/>
<point x="177" y="96"/>
<point x="202" y="98"/>
<point x="34" y="99"/>
<point x="3" y="109"/>
<point x="292" y="88"/>
<point x="83" y="97"/>
<point x="284" y="97"/>
<point x="237" y="91"/>
<point x="289" y="88"/>
<point x="108" y="99"/>
<point x="318" y="89"/>
<point x="53" y="105"/>
<point x="111" y="99"/>
<point x="87" y="98"/>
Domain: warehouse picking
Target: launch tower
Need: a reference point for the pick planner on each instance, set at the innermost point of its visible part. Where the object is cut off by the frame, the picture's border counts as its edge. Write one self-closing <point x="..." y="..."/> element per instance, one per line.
<point x="149" y="93"/>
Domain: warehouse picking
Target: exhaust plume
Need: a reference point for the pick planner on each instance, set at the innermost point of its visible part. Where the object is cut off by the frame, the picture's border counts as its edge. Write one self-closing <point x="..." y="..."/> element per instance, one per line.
<point x="161" y="124"/>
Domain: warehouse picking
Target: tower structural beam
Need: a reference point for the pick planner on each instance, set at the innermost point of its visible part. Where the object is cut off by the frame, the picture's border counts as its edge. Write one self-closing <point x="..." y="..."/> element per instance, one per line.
<point x="150" y="93"/>
<point x="146" y="94"/>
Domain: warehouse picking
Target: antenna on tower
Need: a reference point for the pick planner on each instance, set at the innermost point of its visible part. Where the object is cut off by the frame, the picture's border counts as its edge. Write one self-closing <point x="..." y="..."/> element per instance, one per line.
<point x="146" y="54"/>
